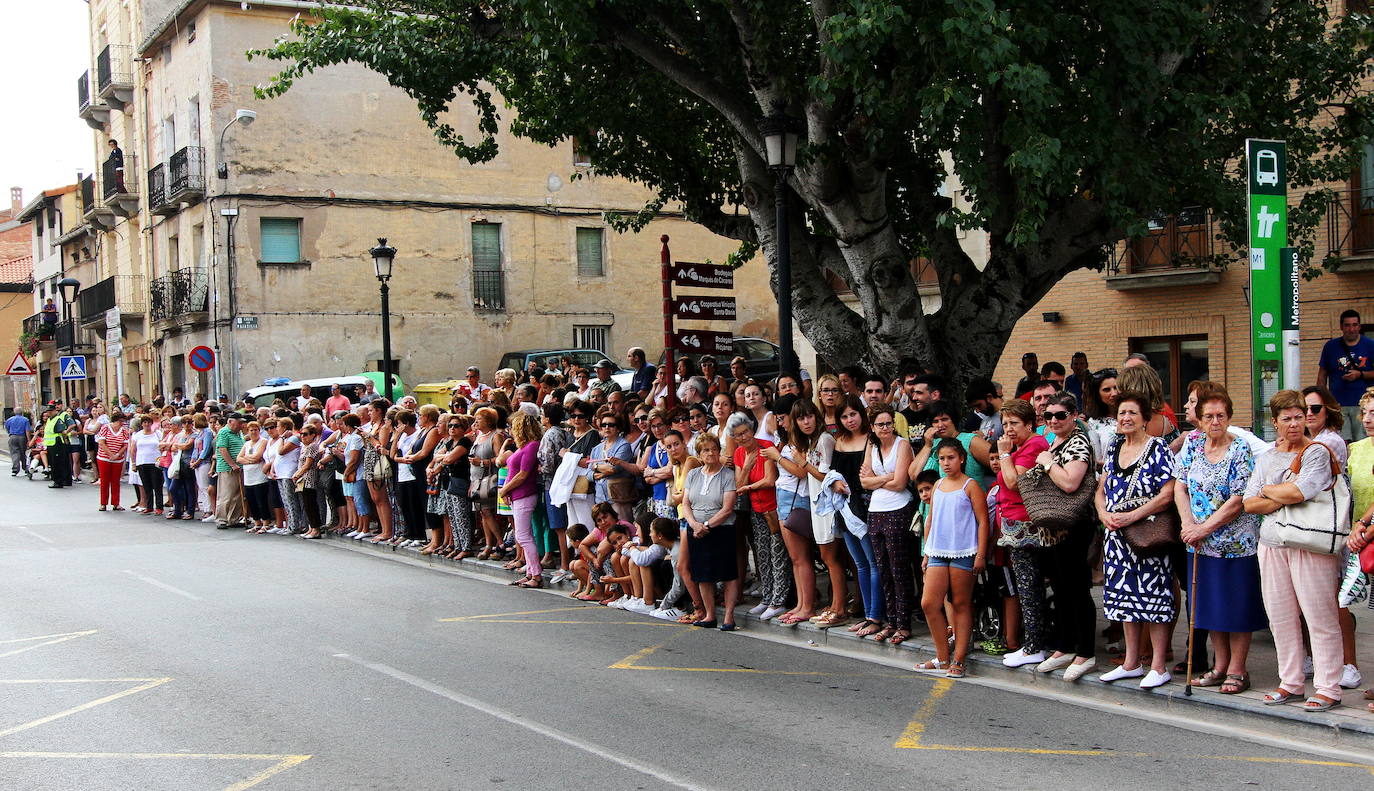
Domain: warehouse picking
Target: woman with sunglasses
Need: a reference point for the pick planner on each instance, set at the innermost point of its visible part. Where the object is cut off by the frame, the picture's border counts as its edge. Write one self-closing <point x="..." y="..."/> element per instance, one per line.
<point x="680" y="420"/>
<point x="584" y="437"/>
<point x="885" y="474"/>
<point x="715" y="383"/>
<point x="611" y="461"/>
<point x="654" y="465"/>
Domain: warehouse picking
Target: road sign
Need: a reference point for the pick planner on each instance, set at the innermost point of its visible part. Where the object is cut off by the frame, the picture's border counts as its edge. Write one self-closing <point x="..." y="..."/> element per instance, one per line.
<point x="703" y="275"/>
<point x="20" y="366"/>
<point x="201" y="358"/>
<point x="703" y="342"/>
<point x="72" y="368"/>
<point x="705" y="308"/>
<point x="1267" y="208"/>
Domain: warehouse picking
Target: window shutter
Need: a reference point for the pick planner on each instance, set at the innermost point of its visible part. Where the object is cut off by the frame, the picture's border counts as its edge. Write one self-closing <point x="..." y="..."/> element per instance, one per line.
<point x="486" y="247"/>
<point x="281" y="240"/>
<point x="589" y="247"/>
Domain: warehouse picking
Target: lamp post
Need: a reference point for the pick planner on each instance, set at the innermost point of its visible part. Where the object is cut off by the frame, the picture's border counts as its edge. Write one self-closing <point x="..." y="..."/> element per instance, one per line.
<point x="69" y="287"/>
<point x="241" y="116"/>
<point x="780" y="141"/>
<point x="382" y="256"/>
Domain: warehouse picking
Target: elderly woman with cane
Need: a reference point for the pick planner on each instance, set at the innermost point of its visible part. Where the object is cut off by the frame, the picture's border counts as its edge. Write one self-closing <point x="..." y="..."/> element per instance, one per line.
<point x="1223" y="541"/>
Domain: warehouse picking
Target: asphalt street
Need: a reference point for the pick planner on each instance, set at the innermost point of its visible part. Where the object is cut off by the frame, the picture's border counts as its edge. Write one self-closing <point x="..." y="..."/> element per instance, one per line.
<point x="139" y="653"/>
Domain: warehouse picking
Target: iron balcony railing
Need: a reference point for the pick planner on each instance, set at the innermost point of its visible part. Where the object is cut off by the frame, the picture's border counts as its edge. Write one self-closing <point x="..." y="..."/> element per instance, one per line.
<point x="179" y="293"/>
<point x="83" y="91"/>
<point x="1350" y="224"/>
<point x="121" y="181"/>
<point x="488" y="290"/>
<point x="157" y="186"/>
<point x="35" y="326"/>
<point x="113" y="67"/>
<point x="87" y="194"/>
<point x="118" y="291"/>
<point x="71" y="336"/>
<point x="1178" y="241"/>
<point x="186" y="173"/>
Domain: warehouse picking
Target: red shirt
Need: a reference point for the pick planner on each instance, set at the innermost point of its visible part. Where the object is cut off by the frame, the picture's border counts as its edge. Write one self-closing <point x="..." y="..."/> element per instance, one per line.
<point x="338" y="403"/>
<point x="116" y="443"/>
<point x="763" y="500"/>
<point x="1010" y="507"/>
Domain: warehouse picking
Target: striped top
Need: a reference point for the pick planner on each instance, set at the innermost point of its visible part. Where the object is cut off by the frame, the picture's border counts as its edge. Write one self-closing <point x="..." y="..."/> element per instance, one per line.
<point x="116" y="443"/>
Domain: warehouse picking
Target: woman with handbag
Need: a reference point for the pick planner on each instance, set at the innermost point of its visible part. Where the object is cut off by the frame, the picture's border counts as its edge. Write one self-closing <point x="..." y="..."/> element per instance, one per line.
<point x="452" y="455"/>
<point x="890" y="508"/>
<point x="1299" y="558"/>
<point x="521" y="490"/>
<point x="612" y="461"/>
<point x="486" y="444"/>
<point x="1135" y="502"/>
<point x="1017" y="449"/>
<point x="851" y="447"/>
<point x="1066" y="473"/>
<point x="254" y="479"/>
<point x="756" y="478"/>
<point x="1359" y="570"/>
<point x="376" y="471"/>
<point x="415" y="455"/>
<point x="308" y="480"/>
<point x="284" y="467"/>
<point x="1213" y="469"/>
<point x="183" y="478"/>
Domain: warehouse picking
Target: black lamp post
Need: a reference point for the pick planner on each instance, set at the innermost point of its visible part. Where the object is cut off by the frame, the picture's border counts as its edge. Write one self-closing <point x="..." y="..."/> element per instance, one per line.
<point x="780" y="141"/>
<point x="382" y="256"/>
<point x="69" y="287"/>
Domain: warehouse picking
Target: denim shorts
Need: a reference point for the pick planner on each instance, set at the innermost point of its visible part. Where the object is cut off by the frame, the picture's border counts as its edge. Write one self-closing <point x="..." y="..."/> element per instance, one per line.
<point x="966" y="564"/>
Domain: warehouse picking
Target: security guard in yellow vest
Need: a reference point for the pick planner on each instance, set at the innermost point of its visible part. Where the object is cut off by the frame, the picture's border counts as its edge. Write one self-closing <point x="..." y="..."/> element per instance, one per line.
<point x="59" y="457"/>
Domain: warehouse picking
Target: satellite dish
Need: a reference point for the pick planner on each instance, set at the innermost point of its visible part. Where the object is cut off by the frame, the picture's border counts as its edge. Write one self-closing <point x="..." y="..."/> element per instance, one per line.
<point x="554" y="183"/>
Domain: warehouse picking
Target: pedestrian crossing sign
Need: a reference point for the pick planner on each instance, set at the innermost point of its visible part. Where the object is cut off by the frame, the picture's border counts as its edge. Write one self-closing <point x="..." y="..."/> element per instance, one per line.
<point x="20" y="366"/>
<point x="72" y="368"/>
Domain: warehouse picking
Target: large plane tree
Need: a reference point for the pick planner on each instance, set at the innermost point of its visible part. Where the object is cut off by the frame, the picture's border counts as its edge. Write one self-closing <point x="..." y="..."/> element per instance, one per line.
<point x="1067" y="124"/>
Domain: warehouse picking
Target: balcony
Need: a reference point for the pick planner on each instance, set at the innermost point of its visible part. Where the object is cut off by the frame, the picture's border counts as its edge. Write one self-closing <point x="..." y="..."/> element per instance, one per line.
<point x="124" y="292"/>
<point x="71" y="337"/>
<point x="157" y="192"/>
<point x="1177" y="251"/>
<point x="36" y="327"/>
<point x="180" y="296"/>
<point x="120" y="186"/>
<point x="115" y="75"/>
<point x="488" y="291"/>
<point x="186" y="176"/>
<point x="91" y="110"/>
<point x="1349" y="231"/>
<point x="100" y="216"/>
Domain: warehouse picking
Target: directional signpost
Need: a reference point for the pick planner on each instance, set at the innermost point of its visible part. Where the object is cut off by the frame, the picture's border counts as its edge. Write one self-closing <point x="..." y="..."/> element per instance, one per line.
<point x="705" y="308"/>
<point x="695" y="308"/>
<point x="701" y="342"/>
<point x="703" y="275"/>
<point x="1268" y="233"/>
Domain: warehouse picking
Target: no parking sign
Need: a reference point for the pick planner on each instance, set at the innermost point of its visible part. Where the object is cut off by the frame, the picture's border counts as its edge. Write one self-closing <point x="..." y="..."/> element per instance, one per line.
<point x="202" y="358"/>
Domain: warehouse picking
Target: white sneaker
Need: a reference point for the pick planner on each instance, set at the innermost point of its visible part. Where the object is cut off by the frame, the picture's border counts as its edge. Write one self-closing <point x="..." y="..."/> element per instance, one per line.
<point x="1075" y="672"/>
<point x="758" y="610"/>
<point x="1307" y="670"/>
<point x="1054" y="663"/>
<point x="772" y="612"/>
<point x="640" y="607"/>
<point x="1019" y="657"/>
<point x="209" y="518"/>
<point x="669" y="614"/>
<point x="353" y="534"/>
<point x="1118" y="673"/>
<point x="1153" y="679"/>
<point x="1350" y="677"/>
<point x="558" y="576"/>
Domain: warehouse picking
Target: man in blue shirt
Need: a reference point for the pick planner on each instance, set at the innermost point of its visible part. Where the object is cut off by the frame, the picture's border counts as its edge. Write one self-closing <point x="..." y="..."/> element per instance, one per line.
<point x="1074" y="383"/>
<point x="1346" y="369"/>
<point x="643" y="380"/>
<point x="21" y="432"/>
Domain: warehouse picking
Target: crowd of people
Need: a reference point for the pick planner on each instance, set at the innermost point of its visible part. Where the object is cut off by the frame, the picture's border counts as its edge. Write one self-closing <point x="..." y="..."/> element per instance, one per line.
<point x="848" y="501"/>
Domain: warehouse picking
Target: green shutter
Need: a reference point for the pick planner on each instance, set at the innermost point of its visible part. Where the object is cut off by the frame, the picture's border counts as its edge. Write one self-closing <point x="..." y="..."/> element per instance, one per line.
<point x="281" y="240"/>
<point x="589" y="263"/>
<point x="486" y="247"/>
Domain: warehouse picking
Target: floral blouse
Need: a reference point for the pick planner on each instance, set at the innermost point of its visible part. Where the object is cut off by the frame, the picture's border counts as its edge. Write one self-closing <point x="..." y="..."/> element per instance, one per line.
<point x="1210" y="486"/>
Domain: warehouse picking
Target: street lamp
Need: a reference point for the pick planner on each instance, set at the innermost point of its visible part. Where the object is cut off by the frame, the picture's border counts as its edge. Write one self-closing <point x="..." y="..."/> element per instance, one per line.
<point x="241" y="116"/>
<point x="68" y="287"/>
<point x="780" y="141"/>
<point x="382" y="257"/>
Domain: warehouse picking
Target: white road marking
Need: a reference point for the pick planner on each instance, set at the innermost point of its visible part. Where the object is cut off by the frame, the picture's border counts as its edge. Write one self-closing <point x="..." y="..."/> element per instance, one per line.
<point x="56" y="638"/>
<point x="515" y="719"/>
<point x="42" y="538"/>
<point x="162" y="585"/>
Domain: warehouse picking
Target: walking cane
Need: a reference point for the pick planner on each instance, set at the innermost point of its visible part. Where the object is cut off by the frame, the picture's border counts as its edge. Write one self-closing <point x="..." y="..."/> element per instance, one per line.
<point x="1192" y="616"/>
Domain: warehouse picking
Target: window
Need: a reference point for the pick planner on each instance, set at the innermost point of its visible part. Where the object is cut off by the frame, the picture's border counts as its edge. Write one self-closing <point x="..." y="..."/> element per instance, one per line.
<point x="581" y="157"/>
<point x="592" y="336"/>
<point x="281" y="240"/>
<point x="1173" y="240"/>
<point x="1178" y="359"/>
<point x="488" y="288"/>
<point x="590" y="244"/>
<point x="198" y="244"/>
<point x="173" y="253"/>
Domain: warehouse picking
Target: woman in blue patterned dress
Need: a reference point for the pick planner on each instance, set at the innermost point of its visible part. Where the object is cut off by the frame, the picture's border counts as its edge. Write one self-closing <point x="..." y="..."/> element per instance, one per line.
<point x="1213" y="468"/>
<point x="1137" y="481"/>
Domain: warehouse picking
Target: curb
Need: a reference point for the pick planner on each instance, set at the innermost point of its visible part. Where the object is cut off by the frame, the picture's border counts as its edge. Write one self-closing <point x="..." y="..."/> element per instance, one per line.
<point x="1204" y="705"/>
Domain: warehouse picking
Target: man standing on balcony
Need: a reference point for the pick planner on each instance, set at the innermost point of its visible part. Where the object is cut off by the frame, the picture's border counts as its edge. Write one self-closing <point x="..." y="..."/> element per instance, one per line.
<point x="116" y="160"/>
<point x="1346" y="369"/>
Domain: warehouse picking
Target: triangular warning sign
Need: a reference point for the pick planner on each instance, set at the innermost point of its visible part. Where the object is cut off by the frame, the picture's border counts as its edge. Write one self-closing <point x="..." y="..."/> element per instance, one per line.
<point x="20" y="366"/>
<point x="74" y="369"/>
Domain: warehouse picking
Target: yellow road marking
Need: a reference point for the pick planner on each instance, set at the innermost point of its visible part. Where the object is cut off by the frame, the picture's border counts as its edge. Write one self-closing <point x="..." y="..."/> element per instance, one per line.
<point x="632" y="661"/>
<point x="59" y="638"/>
<point x="911" y="739"/>
<point x="149" y="684"/>
<point x="283" y="762"/>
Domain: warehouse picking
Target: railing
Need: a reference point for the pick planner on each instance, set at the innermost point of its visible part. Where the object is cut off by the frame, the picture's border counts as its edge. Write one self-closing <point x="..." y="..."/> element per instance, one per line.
<point x="1178" y="241"/>
<point x="70" y="335"/>
<point x="112" y="67"/>
<point x="34" y="325"/>
<point x="179" y="293"/>
<point x="83" y="91"/>
<point x="119" y="291"/>
<point x="1350" y="224"/>
<point x="123" y="180"/>
<point x="157" y="186"/>
<point x="488" y="290"/>
<point x="186" y="172"/>
<point x="87" y="194"/>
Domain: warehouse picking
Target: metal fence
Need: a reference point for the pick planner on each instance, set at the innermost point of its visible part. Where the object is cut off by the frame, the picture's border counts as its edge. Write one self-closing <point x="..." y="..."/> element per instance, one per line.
<point x="1174" y="241"/>
<point x="179" y="293"/>
<point x="121" y="181"/>
<point x="83" y="91"/>
<point x="157" y="186"/>
<point x="113" y="66"/>
<point x="488" y="290"/>
<point x="1350" y="224"/>
<point x="186" y="172"/>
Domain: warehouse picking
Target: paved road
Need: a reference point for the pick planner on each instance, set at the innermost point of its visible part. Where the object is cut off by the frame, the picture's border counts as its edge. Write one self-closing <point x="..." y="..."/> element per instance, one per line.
<point x="144" y="654"/>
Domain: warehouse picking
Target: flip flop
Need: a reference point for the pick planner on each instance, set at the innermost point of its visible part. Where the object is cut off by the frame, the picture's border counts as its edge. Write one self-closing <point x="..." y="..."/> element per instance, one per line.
<point x="1319" y="703"/>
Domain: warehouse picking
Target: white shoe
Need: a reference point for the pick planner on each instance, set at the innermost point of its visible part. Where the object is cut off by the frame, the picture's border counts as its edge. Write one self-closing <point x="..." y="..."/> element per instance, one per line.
<point x="758" y="610"/>
<point x="641" y="607"/>
<point x="1118" y="673"/>
<point x="1153" y="679"/>
<point x="558" y="576"/>
<point x="353" y="534"/>
<point x="1307" y="670"/>
<point x="1075" y="672"/>
<point x="772" y="612"/>
<point x="669" y="614"/>
<point x="209" y="518"/>
<point x="1054" y="663"/>
<point x="1350" y="677"/>
<point x="1019" y="657"/>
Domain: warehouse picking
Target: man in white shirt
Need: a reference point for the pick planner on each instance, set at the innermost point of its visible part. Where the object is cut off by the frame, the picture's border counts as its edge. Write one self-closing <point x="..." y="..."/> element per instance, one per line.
<point x="302" y="400"/>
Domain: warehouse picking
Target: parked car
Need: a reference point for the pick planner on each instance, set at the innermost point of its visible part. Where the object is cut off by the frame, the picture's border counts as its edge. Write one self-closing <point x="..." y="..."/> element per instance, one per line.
<point x="356" y="385"/>
<point x="762" y="358"/>
<point x="518" y="360"/>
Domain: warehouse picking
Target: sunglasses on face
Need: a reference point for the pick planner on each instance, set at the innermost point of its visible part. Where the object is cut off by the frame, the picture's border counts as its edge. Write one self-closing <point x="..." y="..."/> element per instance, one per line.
<point x="608" y="425"/>
<point x="1056" y="415"/>
<point x="1315" y="409"/>
<point x="641" y="418"/>
<point x="577" y="416"/>
<point x="679" y="420"/>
